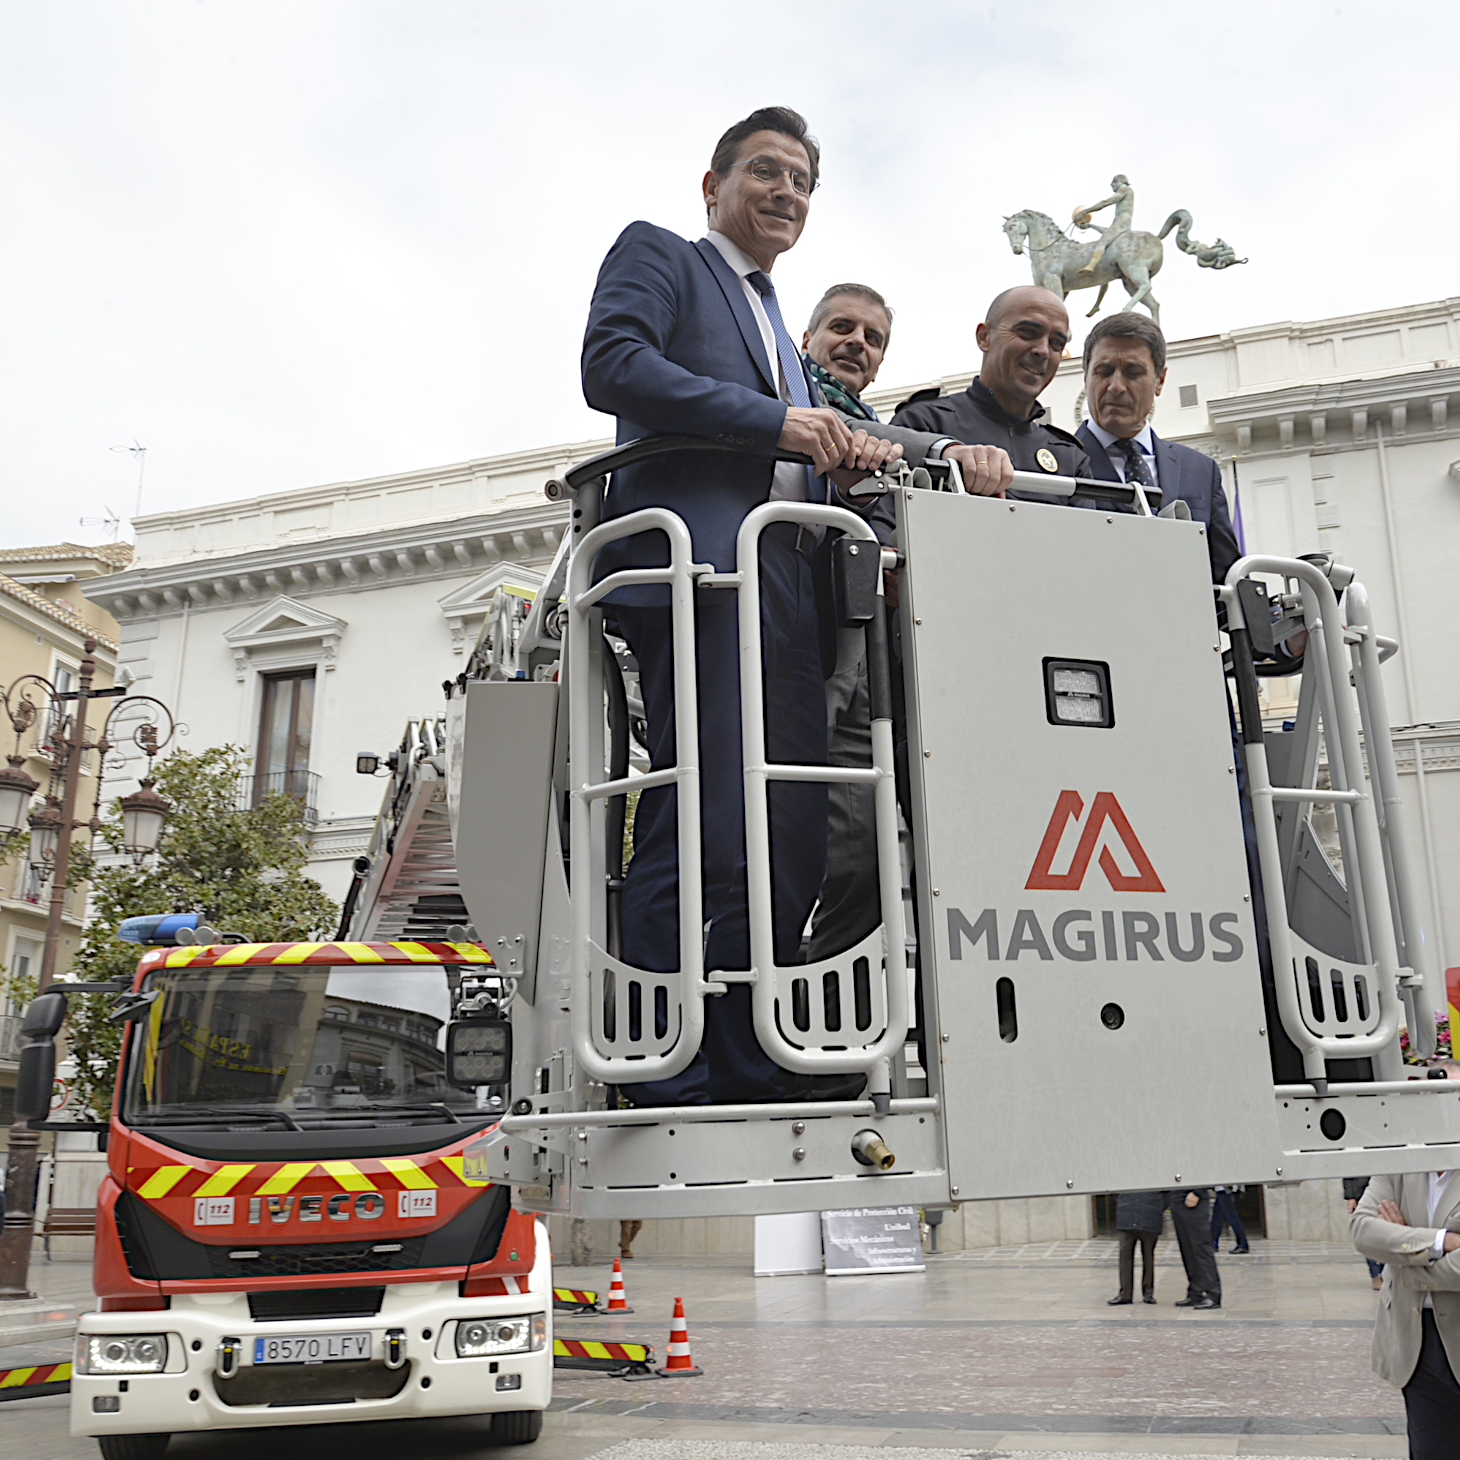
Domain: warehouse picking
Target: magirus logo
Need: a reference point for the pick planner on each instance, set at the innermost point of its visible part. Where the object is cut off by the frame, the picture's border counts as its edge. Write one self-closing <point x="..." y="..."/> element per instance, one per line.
<point x="1084" y="935"/>
<point x="1103" y="809"/>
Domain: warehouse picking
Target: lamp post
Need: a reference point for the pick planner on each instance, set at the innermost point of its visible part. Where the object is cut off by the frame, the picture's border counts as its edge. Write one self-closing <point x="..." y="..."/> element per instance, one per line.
<point x="49" y="855"/>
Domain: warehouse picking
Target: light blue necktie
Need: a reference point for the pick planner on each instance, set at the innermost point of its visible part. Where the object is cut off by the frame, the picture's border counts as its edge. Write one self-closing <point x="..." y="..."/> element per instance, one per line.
<point x="790" y="359"/>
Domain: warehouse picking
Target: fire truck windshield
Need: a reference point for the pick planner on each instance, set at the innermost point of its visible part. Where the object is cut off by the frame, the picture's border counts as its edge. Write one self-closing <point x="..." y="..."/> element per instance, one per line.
<point x="305" y="1047"/>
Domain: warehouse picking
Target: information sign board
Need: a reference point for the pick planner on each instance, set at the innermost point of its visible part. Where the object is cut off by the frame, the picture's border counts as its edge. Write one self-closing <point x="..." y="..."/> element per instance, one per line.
<point x="872" y="1239"/>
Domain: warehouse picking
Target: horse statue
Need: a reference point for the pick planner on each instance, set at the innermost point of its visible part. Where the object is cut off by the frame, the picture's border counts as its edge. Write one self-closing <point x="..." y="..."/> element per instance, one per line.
<point x="1123" y="255"/>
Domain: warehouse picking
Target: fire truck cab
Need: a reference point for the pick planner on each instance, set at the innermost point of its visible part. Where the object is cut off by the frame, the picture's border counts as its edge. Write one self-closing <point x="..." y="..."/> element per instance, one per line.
<point x="297" y="1225"/>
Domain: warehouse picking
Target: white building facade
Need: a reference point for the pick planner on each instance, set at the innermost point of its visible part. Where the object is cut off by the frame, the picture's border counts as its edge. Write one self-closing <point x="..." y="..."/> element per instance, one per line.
<point x="312" y="624"/>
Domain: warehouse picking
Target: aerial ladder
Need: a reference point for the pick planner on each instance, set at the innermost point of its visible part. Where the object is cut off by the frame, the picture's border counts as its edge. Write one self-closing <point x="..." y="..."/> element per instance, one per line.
<point x="1069" y="990"/>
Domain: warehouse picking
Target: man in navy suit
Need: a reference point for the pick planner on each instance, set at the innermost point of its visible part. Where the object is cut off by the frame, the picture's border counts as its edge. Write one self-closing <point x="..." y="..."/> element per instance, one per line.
<point x="689" y="338"/>
<point x="1125" y="368"/>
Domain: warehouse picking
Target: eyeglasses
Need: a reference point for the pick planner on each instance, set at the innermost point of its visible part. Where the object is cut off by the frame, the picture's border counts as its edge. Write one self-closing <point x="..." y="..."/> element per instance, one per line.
<point x="767" y="170"/>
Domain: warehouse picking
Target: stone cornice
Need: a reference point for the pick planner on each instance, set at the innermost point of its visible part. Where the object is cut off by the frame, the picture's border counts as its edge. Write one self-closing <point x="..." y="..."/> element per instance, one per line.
<point x="1340" y="414"/>
<point x="1346" y="323"/>
<point x="417" y="552"/>
<point x="546" y="460"/>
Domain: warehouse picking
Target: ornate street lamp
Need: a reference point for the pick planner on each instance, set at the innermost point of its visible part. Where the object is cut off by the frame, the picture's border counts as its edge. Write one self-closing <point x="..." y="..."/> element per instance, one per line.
<point x="149" y="725"/>
<point x="143" y="813"/>
<point x="45" y="838"/>
<point x="16" y="789"/>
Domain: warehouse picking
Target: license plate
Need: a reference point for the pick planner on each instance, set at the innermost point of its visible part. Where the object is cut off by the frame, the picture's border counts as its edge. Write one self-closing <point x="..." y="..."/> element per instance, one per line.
<point x="311" y="1348"/>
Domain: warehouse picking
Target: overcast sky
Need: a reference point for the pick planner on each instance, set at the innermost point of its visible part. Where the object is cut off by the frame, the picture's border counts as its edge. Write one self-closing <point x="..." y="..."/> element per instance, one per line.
<point x="281" y="244"/>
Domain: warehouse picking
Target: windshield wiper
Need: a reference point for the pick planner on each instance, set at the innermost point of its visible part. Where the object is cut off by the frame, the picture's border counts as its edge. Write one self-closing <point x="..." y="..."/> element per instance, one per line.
<point x="211" y="1114"/>
<point x="436" y="1107"/>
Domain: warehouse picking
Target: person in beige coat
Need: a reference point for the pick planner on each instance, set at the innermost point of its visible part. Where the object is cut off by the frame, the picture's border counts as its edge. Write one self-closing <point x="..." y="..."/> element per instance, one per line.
<point x="1411" y="1224"/>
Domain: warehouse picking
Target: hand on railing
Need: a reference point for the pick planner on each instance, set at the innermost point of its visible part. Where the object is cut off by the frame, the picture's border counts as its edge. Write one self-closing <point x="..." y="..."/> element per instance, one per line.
<point x="645" y="448"/>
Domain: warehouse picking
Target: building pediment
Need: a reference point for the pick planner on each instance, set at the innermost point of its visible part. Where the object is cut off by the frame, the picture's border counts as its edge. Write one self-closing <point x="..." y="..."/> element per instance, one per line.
<point x="282" y="625"/>
<point x="470" y="604"/>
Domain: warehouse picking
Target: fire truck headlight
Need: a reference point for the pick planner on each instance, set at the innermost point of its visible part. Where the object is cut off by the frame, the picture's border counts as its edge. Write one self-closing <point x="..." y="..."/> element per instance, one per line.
<point x="481" y="1337"/>
<point x="124" y="1353"/>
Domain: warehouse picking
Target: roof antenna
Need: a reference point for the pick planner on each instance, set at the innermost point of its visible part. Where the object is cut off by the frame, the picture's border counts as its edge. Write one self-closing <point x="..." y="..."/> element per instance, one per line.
<point x="111" y="523"/>
<point x="140" y="452"/>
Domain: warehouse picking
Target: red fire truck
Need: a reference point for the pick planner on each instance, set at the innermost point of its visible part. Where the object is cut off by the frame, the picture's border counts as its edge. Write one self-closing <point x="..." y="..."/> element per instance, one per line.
<point x="297" y="1226"/>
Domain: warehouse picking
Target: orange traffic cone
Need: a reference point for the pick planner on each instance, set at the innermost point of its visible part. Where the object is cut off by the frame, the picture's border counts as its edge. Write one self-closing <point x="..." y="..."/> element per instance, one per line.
<point x="617" y="1300"/>
<point x="680" y="1365"/>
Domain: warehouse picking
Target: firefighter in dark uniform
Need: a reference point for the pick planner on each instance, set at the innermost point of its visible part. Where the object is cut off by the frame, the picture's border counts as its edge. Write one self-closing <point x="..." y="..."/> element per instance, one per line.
<point x="1002" y="425"/>
<point x="1023" y="339"/>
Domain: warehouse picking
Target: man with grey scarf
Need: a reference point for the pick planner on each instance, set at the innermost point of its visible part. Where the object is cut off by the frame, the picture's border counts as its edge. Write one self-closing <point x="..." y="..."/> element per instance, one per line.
<point x="843" y="347"/>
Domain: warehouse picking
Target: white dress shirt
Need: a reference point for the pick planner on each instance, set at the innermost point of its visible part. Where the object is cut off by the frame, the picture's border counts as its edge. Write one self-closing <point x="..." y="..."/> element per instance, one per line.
<point x="1438" y="1179"/>
<point x="789" y="481"/>
<point x="1143" y="440"/>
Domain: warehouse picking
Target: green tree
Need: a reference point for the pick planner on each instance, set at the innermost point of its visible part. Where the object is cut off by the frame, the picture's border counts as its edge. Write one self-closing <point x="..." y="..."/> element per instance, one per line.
<point x="240" y="869"/>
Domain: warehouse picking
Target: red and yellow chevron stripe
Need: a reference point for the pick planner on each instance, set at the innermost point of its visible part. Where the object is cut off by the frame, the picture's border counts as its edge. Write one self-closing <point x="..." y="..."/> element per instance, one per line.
<point x="587" y="1348"/>
<point x="33" y="1382"/>
<point x="288" y="1197"/>
<point x="575" y="1297"/>
<point x="229" y="955"/>
<point x="269" y="1178"/>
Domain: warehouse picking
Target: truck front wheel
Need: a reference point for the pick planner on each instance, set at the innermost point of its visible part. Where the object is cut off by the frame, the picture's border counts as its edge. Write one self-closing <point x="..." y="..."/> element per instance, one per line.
<point x="132" y="1447"/>
<point x="513" y="1427"/>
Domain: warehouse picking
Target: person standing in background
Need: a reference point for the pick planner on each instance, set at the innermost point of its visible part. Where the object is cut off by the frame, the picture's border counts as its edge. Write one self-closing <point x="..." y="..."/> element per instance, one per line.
<point x="1191" y="1215"/>
<point x="1138" y="1218"/>
<point x="1409" y="1223"/>
<point x="627" y="1231"/>
<point x="1224" y="1213"/>
<point x="1354" y="1188"/>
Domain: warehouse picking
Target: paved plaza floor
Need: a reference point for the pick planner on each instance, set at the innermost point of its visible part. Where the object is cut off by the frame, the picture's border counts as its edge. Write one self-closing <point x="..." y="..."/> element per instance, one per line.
<point x="994" y="1352"/>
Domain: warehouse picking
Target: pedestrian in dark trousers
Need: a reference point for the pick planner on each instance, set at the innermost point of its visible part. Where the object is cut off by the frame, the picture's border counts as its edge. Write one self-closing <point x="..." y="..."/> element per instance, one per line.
<point x="1354" y="1188"/>
<point x="1224" y="1214"/>
<point x="1191" y="1215"/>
<point x="1138" y="1217"/>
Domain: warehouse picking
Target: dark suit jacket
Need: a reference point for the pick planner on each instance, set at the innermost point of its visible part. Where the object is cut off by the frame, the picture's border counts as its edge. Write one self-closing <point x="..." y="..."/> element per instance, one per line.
<point x="1185" y="474"/>
<point x="672" y="346"/>
<point x="1140" y="1211"/>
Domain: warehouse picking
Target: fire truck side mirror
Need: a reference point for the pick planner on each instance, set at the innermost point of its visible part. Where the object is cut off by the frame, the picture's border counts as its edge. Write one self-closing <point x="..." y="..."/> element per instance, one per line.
<point x="129" y="1007"/>
<point x="478" y="1052"/>
<point x="44" y="1018"/>
<point x="37" y="1073"/>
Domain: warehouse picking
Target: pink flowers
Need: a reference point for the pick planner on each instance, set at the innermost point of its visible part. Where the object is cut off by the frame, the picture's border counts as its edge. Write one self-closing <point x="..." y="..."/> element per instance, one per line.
<point x="1442" y="1040"/>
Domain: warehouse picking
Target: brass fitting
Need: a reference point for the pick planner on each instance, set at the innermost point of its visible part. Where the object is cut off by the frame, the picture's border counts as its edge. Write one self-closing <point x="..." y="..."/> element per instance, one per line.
<point x="871" y="1150"/>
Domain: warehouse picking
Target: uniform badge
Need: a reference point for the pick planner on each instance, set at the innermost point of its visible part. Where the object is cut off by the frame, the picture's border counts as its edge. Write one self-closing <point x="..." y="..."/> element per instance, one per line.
<point x="1046" y="458"/>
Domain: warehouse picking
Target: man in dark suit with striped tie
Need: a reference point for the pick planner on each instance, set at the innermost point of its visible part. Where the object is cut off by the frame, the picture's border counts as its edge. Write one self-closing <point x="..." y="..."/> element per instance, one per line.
<point x="689" y="338"/>
<point x="1125" y="368"/>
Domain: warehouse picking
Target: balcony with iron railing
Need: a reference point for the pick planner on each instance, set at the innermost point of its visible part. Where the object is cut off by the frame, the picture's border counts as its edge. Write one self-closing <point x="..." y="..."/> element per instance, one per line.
<point x="303" y="786"/>
<point x="9" y="1037"/>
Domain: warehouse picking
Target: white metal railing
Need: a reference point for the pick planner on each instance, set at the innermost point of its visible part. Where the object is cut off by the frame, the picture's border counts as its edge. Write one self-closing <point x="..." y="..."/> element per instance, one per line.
<point x="1332" y="1009"/>
<point x="1367" y="651"/>
<point x="608" y="1043"/>
<point x="629" y="1024"/>
<point x="817" y="1048"/>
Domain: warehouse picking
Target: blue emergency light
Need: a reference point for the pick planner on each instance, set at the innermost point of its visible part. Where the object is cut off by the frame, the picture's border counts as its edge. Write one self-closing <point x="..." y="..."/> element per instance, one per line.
<point x="157" y="930"/>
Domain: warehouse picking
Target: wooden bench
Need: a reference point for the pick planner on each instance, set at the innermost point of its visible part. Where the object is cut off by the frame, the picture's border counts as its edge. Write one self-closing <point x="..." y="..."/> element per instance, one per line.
<point x="68" y="1222"/>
